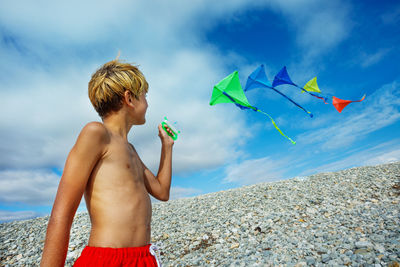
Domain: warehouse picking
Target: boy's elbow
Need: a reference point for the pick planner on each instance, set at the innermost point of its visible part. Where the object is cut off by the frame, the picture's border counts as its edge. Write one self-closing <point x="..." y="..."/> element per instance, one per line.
<point x="164" y="197"/>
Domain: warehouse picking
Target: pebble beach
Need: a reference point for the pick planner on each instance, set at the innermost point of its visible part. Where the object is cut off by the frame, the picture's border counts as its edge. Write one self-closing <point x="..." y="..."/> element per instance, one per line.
<point x="345" y="218"/>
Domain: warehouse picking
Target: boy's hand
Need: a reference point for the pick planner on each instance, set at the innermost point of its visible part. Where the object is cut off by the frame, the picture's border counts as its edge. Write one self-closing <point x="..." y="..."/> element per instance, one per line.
<point x="165" y="138"/>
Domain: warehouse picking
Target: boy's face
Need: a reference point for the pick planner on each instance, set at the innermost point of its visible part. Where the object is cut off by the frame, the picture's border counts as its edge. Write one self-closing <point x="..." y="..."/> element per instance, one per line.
<point x="140" y="109"/>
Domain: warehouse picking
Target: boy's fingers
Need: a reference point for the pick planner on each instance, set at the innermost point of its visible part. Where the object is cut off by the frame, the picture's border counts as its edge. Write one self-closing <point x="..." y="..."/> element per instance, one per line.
<point x="160" y="128"/>
<point x="168" y="129"/>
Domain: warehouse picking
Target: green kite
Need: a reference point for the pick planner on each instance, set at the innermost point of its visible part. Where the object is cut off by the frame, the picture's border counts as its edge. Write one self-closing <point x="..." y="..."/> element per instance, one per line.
<point x="229" y="90"/>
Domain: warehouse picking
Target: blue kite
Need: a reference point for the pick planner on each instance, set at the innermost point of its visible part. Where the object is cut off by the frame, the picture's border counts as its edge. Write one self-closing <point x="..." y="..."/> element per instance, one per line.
<point x="259" y="79"/>
<point x="283" y="78"/>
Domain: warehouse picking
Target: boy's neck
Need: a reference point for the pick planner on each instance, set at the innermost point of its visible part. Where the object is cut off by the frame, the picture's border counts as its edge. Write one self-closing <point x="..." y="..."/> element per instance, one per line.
<point x="118" y="124"/>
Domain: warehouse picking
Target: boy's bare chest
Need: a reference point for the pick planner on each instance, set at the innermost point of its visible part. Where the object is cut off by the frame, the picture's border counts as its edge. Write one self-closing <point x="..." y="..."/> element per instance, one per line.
<point x="123" y="158"/>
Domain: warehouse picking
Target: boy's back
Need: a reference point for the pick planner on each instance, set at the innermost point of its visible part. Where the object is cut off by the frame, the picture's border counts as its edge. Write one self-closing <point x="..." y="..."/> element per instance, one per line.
<point x="105" y="168"/>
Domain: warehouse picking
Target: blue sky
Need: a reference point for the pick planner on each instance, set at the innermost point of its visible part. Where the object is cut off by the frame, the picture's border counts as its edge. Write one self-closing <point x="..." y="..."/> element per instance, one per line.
<point x="48" y="51"/>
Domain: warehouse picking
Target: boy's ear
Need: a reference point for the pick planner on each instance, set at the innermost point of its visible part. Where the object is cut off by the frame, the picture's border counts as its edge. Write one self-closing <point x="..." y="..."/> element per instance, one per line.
<point x="128" y="97"/>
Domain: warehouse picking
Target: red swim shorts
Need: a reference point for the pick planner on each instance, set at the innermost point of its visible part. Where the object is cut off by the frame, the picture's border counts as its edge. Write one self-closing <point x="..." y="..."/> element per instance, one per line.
<point x="116" y="257"/>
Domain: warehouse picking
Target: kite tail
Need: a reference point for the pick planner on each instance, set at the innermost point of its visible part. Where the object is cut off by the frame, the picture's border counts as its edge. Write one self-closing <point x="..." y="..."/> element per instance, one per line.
<point x="325" y="99"/>
<point x="306" y="111"/>
<point x="276" y="126"/>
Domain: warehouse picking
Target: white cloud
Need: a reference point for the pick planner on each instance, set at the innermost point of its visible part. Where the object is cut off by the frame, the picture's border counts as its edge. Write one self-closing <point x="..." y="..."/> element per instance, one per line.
<point x="320" y="25"/>
<point x="388" y="152"/>
<point x="39" y="124"/>
<point x="323" y="31"/>
<point x="376" y="112"/>
<point x="392" y="16"/>
<point x="71" y="21"/>
<point x="41" y="119"/>
<point x="384" y="157"/>
<point x="255" y="171"/>
<point x="7" y="216"/>
<point x="367" y="60"/>
<point x="266" y="169"/>
<point x="182" y="192"/>
<point x="36" y="187"/>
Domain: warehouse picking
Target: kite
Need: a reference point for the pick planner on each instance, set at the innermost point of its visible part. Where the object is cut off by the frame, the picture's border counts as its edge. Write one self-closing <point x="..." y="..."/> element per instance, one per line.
<point x="282" y="78"/>
<point x="311" y="86"/>
<point x="229" y="90"/>
<point x="340" y="104"/>
<point x="259" y="79"/>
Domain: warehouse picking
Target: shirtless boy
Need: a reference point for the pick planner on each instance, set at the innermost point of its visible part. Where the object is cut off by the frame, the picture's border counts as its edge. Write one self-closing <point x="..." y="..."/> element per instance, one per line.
<point x="105" y="168"/>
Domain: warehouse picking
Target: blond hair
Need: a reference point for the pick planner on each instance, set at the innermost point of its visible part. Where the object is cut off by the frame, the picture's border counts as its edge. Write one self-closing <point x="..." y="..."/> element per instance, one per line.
<point x="109" y="83"/>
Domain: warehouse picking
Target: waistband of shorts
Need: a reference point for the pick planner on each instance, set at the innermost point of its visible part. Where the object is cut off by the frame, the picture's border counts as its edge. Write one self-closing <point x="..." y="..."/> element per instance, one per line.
<point x="118" y="252"/>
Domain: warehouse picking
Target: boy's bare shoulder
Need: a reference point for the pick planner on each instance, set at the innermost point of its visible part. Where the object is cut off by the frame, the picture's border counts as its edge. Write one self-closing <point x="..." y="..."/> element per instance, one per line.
<point x="95" y="127"/>
<point x="94" y="132"/>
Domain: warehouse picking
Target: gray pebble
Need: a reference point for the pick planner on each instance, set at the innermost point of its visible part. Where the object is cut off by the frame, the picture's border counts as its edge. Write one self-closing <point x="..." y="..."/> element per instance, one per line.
<point x="325" y="258"/>
<point x="363" y="244"/>
<point x="310" y="260"/>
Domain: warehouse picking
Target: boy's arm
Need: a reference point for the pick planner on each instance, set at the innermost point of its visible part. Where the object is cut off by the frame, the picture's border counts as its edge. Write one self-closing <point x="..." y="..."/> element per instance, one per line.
<point x="159" y="186"/>
<point x="86" y="152"/>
